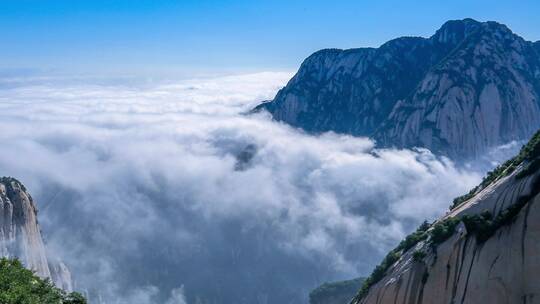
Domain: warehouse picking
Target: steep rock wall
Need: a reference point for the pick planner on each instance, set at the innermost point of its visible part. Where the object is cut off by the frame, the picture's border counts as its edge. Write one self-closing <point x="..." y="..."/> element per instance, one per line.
<point x="503" y="269"/>
<point x="484" y="94"/>
<point x="20" y="235"/>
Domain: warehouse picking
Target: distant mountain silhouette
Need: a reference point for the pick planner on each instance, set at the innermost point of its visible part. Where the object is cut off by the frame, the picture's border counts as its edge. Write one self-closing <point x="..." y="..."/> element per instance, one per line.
<point x="469" y="87"/>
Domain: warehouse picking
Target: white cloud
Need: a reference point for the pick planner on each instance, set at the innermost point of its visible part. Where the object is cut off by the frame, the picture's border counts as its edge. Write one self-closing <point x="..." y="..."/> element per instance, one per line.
<point x="177" y="296"/>
<point x="163" y="185"/>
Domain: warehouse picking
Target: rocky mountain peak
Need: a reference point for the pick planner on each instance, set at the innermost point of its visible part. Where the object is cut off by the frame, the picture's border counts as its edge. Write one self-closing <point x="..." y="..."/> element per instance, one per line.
<point x="454" y="31"/>
<point x="20" y="235"/>
<point x="466" y="89"/>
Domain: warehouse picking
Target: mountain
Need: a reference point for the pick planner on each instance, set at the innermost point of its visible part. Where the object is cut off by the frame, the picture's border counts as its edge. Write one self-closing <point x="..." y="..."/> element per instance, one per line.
<point x="469" y="87"/>
<point x="20" y="235"/>
<point x="335" y="292"/>
<point x="485" y="250"/>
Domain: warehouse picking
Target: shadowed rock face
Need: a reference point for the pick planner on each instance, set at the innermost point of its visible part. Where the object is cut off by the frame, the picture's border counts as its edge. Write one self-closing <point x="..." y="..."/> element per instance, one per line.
<point x="469" y="87"/>
<point x="20" y="235"/>
<point x="503" y="267"/>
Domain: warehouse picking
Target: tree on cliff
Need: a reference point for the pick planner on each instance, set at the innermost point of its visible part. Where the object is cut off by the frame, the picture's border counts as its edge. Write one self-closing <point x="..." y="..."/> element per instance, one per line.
<point x="19" y="285"/>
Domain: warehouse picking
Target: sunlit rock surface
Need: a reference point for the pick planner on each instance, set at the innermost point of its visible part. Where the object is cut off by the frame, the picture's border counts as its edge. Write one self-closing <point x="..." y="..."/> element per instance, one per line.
<point x="20" y="235"/>
<point x="469" y="87"/>
<point x="505" y="268"/>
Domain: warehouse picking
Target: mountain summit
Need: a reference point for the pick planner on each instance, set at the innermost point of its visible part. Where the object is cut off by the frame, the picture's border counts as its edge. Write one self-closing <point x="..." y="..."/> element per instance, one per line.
<point x="469" y="87"/>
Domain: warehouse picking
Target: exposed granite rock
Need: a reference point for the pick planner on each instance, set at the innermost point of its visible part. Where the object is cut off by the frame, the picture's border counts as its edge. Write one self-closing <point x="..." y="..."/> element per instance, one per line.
<point x="469" y="87"/>
<point x="502" y="267"/>
<point x="20" y="235"/>
<point x="60" y="275"/>
<point x="485" y="93"/>
<point x="352" y="91"/>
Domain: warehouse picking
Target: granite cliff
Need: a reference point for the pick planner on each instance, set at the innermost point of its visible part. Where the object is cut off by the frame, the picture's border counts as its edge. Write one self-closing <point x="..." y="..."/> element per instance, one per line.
<point x="485" y="250"/>
<point x="20" y="235"/>
<point x="469" y="87"/>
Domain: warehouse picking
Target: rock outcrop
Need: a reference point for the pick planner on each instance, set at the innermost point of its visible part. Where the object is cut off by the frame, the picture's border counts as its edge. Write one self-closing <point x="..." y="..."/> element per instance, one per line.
<point x="486" y="250"/>
<point x="20" y="235"/>
<point x="469" y="87"/>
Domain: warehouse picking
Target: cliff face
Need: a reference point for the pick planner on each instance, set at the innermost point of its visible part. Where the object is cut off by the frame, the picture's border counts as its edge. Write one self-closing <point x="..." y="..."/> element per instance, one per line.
<point x="485" y="93"/>
<point x="469" y="87"/>
<point x="20" y="235"/>
<point x="487" y="251"/>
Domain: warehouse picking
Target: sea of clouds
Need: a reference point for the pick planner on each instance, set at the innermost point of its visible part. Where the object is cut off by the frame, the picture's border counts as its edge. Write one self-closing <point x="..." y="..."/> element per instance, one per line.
<point x="164" y="192"/>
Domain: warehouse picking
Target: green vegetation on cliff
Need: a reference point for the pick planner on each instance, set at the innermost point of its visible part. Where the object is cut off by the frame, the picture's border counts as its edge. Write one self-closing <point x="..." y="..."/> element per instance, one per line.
<point x="482" y="226"/>
<point x="19" y="285"/>
<point x="380" y="271"/>
<point x="529" y="153"/>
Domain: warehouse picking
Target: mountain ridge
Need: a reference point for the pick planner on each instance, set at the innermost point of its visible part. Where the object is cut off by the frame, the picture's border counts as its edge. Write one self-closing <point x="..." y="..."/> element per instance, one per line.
<point x="469" y="87"/>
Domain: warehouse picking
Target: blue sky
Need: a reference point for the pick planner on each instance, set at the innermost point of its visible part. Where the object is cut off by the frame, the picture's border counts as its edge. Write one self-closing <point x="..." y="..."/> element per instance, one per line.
<point x="205" y="36"/>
